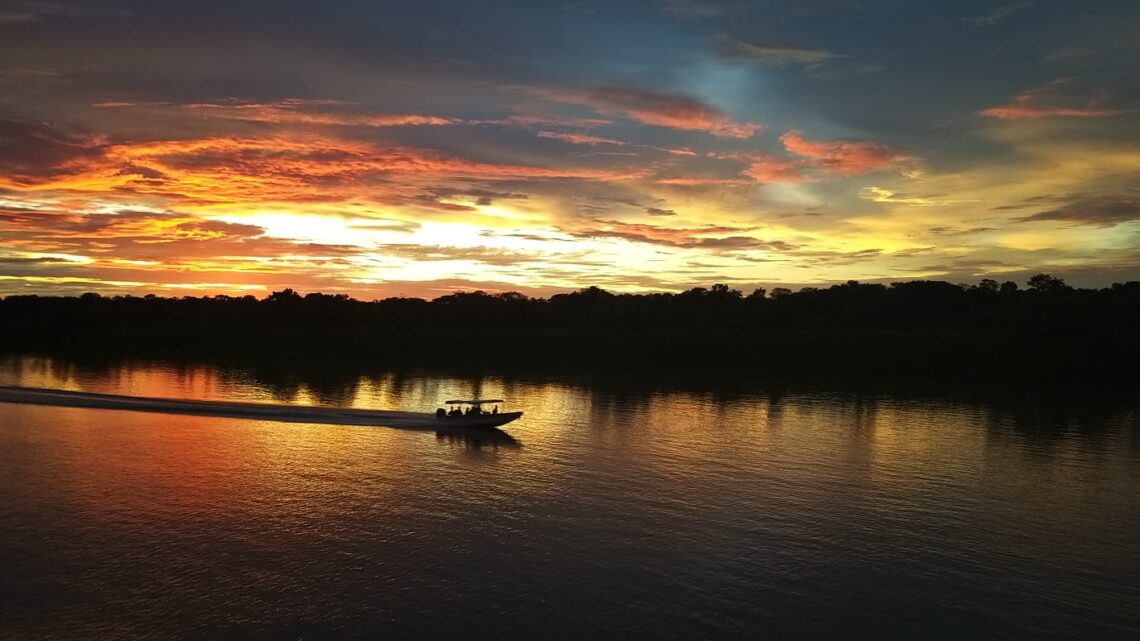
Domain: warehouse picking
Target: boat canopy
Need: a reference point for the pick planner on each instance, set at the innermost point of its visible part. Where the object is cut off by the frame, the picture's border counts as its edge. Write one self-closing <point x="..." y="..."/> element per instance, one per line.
<point x="476" y="401"/>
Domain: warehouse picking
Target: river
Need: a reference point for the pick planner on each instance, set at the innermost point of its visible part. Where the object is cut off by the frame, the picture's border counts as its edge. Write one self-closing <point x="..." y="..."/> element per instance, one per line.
<point x="620" y="508"/>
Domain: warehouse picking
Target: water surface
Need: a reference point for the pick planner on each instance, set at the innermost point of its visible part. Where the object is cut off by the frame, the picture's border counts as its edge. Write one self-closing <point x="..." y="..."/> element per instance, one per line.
<point x="624" y="510"/>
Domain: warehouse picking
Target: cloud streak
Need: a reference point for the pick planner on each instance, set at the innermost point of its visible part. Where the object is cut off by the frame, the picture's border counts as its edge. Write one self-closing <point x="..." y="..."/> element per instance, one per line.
<point x="249" y="169"/>
<point x="772" y="55"/>
<point x="844" y="157"/>
<point x="1057" y="99"/>
<point x="1100" y="210"/>
<point x="1000" y="13"/>
<point x="300" y="112"/>
<point x="651" y="107"/>
<point x="580" y="139"/>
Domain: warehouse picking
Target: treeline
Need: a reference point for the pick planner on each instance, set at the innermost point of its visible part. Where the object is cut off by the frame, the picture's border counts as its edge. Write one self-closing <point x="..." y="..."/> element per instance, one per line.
<point x="989" y="332"/>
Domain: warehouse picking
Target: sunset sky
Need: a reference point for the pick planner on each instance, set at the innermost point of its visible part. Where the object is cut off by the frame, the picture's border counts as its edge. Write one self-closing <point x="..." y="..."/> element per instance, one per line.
<point x="385" y="148"/>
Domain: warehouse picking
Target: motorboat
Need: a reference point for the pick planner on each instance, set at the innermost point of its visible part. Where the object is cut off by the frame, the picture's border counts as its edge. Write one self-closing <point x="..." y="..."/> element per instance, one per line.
<point x="471" y="413"/>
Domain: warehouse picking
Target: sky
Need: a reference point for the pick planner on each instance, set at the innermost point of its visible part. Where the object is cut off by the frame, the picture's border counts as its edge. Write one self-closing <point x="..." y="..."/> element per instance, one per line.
<point x="391" y="148"/>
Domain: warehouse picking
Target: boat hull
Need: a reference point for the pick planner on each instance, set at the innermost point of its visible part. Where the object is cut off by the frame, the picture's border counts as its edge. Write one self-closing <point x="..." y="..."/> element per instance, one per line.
<point x="481" y="421"/>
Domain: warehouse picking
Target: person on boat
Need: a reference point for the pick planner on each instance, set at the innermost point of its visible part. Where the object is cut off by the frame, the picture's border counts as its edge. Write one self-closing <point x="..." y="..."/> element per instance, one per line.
<point x="455" y="411"/>
<point x="496" y="410"/>
<point x="440" y="413"/>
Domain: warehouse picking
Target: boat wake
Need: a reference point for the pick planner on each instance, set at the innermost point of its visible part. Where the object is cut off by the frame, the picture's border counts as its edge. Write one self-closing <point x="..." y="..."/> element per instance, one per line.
<point x="257" y="411"/>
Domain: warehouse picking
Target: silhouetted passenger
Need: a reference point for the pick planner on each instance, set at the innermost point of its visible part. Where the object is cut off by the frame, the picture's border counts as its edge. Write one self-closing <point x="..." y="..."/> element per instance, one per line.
<point x="496" y="410"/>
<point x="440" y="413"/>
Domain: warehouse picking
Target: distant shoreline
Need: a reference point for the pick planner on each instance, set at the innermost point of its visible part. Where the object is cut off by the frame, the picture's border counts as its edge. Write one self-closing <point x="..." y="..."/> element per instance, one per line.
<point x="923" y="331"/>
<point x="318" y="368"/>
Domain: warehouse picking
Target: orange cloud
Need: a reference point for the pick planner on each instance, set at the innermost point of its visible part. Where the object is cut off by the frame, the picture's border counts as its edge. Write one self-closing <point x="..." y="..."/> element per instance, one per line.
<point x="699" y="181"/>
<point x="1059" y="98"/>
<point x="297" y="112"/>
<point x="267" y="169"/>
<point x="649" y="107"/>
<point x="129" y="235"/>
<point x="769" y="169"/>
<point x="845" y="157"/>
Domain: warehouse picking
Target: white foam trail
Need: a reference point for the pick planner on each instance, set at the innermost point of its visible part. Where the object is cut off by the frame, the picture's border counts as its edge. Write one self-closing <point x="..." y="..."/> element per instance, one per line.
<point x="262" y="411"/>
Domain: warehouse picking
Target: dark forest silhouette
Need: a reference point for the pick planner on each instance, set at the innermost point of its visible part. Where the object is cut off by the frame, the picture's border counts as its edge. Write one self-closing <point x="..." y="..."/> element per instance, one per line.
<point x="990" y="332"/>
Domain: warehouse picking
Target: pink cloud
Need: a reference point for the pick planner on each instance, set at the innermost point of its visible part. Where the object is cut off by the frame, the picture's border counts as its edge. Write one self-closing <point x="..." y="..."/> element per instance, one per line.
<point x="296" y="112"/>
<point x="845" y="157"/>
<point x="699" y="181"/>
<point x="543" y="120"/>
<point x="580" y="139"/>
<point x="649" y="107"/>
<point x="1060" y="98"/>
<point x="1024" y="112"/>
<point x="300" y="112"/>
<point x="769" y="169"/>
<point x="677" y="151"/>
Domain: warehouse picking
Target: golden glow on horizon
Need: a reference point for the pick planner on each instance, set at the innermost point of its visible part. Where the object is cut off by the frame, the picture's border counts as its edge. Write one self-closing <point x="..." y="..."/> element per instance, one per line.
<point x="318" y="210"/>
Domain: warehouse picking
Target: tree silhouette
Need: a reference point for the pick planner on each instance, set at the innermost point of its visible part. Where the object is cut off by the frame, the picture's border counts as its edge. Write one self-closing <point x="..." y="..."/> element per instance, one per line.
<point x="915" y="329"/>
<point x="1046" y="284"/>
<point x="286" y="295"/>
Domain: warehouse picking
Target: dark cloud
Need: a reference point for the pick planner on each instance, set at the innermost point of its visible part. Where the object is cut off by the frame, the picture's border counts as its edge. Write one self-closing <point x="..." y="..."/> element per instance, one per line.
<point x="712" y="238"/>
<point x="398" y="226"/>
<point x="657" y="211"/>
<point x="728" y="242"/>
<point x="24" y="11"/>
<point x="814" y="257"/>
<point x="971" y="266"/>
<point x="525" y="236"/>
<point x="164" y="237"/>
<point x="481" y="197"/>
<point x="955" y="231"/>
<point x="1101" y="211"/>
<point x="25" y="260"/>
<point x="33" y="151"/>
<point x="485" y="255"/>
<point x="434" y="203"/>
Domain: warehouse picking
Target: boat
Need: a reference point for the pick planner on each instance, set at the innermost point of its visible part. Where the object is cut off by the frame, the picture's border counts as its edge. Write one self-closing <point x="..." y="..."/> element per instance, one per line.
<point x="470" y="413"/>
<point x="264" y="411"/>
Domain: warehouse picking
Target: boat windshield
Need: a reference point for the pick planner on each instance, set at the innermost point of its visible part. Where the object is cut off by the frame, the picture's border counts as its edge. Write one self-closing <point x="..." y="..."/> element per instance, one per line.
<point x="474" y="407"/>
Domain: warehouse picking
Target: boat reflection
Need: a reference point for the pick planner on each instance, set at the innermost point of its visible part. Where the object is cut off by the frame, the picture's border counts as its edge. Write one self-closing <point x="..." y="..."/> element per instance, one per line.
<point x="477" y="438"/>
